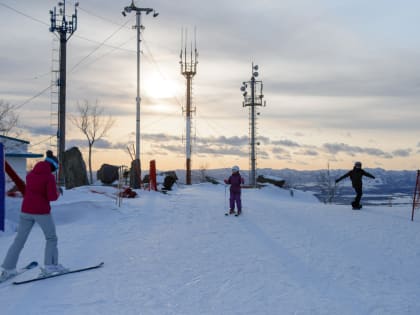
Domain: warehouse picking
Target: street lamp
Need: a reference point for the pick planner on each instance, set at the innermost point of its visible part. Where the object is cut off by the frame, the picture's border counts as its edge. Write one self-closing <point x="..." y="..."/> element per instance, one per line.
<point x="138" y="26"/>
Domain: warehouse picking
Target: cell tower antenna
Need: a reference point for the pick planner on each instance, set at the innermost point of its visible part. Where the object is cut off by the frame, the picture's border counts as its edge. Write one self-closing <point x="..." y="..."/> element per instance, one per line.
<point x="188" y="70"/>
<point x="252" y="91"/>
<point x="64" y="26"/>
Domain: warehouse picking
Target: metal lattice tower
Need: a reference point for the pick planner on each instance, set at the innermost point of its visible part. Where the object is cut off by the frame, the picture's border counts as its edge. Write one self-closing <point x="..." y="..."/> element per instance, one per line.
<point x="188" y="70"/>
<point x="253" y="97"/>
<point x="54" y="91"/>
<point x="64" y="26"/>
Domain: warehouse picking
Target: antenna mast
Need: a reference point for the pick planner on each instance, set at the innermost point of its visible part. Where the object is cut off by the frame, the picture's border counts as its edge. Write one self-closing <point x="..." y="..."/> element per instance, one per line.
<point x="64" y="26"/>
<point x="188" y="70"/>
<point x="253" y="97"/>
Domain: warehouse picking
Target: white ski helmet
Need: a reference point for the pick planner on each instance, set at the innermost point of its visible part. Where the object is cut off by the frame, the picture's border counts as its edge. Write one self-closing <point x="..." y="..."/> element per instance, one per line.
<point x="235" y="168"/>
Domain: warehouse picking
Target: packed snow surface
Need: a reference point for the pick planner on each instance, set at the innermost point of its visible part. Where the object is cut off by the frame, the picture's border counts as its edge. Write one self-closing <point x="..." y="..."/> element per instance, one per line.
<point x="177" y="253"/>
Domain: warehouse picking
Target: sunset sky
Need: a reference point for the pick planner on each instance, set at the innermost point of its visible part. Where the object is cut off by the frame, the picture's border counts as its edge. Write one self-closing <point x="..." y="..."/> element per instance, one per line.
<point x="341" y="80"/>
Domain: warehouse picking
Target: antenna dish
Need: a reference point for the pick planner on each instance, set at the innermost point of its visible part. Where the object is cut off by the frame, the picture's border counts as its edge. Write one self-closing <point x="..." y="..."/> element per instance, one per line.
<point x="243" y="88"/>
<point x="255" y="74"/>
<point x="256" y="67"/>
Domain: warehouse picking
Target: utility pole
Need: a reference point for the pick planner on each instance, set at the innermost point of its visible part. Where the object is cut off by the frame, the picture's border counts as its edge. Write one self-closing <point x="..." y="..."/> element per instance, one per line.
<point x="255" y="88"/>
<point x="64" y="26"/>
<point x="138" y="27"/>
<point x="188" y="70"/>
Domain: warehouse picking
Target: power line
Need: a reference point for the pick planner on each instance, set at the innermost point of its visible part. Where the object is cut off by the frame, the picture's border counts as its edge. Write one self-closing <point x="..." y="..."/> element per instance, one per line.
<point x="158" y="68"/>
<point x="99" y="46"/>
<point x="42" y="141"/>
<point x="31" y="98"/>
<point x="98" y="16"/>
<point x="24" y="14"/>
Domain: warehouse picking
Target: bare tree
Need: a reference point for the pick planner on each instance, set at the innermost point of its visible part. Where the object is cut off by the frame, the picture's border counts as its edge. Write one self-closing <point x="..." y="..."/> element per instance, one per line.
<point x="8" y="118"/>
<point x="327" y="187"/>
<point x="92" y="124"/>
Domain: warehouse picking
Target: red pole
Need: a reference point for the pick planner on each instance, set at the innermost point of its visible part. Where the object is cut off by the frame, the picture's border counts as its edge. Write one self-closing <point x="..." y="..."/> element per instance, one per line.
<point x="20" y="184"/>
<point x="152" y="176"/>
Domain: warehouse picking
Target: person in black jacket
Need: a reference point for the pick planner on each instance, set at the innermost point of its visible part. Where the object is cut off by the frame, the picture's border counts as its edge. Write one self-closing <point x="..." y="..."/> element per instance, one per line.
<point x="356" y="175"/>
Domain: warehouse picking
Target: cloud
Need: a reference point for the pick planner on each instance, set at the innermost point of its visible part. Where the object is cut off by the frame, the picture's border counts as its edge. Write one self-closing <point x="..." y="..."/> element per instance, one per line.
<point x="40" y="130"/>
<point x="286" y="143"/>
<point x="402" y="152"/>
<point x="335" y="148"/>
<point x="277" y="150"/>
<point x="307" y="152"/>
<point x="160" y="137"/>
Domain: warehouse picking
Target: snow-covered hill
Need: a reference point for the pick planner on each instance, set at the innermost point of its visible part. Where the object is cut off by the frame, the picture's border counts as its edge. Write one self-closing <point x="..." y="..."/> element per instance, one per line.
<point x="179" y="254"/>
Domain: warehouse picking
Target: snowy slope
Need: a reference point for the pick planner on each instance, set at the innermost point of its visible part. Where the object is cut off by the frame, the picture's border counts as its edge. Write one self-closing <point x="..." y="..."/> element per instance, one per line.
<point x="179" y="254"/>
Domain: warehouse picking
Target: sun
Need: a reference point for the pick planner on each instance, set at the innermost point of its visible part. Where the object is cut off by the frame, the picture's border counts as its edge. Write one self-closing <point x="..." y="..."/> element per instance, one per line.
<point x="157" y="87"/>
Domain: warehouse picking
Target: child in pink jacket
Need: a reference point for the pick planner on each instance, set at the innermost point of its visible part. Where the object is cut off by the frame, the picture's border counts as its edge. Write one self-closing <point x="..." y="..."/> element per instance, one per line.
<point x="235" y="181"/>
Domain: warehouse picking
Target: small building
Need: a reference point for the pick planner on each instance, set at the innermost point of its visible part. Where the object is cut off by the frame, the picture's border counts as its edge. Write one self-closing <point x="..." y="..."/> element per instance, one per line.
<point x="16" y="154"/>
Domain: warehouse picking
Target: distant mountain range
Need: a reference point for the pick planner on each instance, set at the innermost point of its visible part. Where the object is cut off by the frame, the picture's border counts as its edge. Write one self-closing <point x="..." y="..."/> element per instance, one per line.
<point x="388" y="187"/>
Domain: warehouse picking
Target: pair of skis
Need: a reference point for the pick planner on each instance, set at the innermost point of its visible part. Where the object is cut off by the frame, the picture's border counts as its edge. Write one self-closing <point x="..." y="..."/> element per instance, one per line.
<point x="34" y="264"/>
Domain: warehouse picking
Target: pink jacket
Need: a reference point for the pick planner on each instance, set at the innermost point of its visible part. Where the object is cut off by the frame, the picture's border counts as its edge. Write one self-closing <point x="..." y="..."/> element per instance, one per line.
<point x="40" y="190"/>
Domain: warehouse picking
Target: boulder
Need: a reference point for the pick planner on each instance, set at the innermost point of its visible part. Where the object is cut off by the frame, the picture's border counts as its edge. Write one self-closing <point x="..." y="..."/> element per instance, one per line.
<point x="74" y="169"/>
<point x="107" y="174"/>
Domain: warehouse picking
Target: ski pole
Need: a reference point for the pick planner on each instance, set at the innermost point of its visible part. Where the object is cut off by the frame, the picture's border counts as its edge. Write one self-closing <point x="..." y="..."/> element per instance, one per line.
<point x="225" y="197"/>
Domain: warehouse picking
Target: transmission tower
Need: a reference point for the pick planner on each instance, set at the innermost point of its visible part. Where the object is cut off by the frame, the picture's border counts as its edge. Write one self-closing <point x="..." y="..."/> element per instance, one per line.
<point x="253" y="97"/>
<point x="188" y="63"/>
<point x="64" y="26"/>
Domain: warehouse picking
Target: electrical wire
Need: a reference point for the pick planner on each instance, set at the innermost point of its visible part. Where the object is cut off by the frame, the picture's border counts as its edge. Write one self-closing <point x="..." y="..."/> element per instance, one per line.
<point x="99" y="46"/>
<point x="16" y="107"/>
<point x="158" y="69"/>
<point x="24" y="14"/>
<point x="97" y="16"/>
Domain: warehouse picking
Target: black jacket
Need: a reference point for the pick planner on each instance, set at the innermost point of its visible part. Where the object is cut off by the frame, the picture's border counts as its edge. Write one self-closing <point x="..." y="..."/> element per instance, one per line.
<point x="355" y="175"/>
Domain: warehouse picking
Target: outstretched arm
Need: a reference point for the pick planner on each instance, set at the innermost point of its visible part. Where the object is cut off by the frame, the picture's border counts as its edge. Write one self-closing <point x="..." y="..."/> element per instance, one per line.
<point x="342" y="177"/>
<point x="368" y="174"/>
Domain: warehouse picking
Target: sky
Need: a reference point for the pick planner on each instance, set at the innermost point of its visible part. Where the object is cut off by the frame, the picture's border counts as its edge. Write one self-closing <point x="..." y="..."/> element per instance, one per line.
<point x="341" y="80"/>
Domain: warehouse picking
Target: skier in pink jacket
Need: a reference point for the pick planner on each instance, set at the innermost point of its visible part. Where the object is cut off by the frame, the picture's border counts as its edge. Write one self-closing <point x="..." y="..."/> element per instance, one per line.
<point x="41" y="189"/>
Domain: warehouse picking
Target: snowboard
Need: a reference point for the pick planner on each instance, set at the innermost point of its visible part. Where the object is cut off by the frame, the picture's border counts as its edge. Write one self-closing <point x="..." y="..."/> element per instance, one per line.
<point x="29" y="266"/>
<point x="59" y="274"/>
<point x="356" y="207"/>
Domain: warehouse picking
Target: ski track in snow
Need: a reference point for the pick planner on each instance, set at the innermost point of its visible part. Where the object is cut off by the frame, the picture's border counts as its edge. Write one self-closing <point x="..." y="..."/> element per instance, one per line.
<point x="179" y="254"/>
